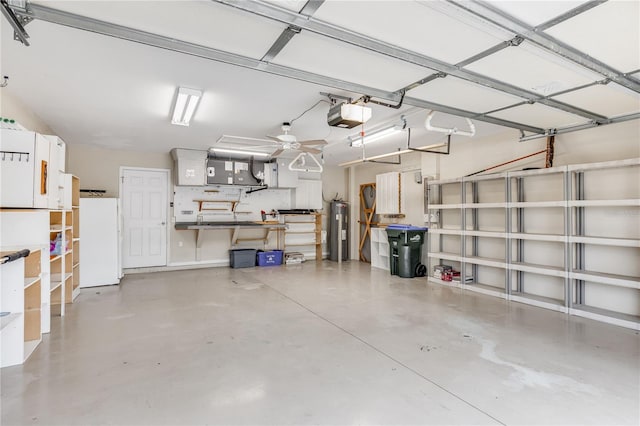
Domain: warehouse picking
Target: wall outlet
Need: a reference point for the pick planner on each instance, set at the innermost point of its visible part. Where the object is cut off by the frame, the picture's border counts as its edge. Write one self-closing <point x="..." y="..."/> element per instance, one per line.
<point x="180" y="244"/>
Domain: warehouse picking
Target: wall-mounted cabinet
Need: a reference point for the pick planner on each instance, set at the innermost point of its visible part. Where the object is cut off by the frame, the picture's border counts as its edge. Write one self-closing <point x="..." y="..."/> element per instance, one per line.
<point x="189" y="167"/>
<point x="563" y="238"/>
<point x="25" y="178"/>
<point x="308" y="194"/>
<point x="389" y="199"/>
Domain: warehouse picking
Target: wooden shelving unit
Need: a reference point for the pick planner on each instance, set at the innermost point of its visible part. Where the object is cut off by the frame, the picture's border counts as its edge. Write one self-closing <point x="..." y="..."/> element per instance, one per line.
<point x="65" y="263"/>
<point x="21" y="330"/>
<point x="75" y="234"/>
<point x="303" y="230"/>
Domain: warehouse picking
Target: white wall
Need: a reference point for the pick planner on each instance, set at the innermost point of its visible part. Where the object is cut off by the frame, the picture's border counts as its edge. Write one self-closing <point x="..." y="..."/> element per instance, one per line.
<point x="11" y="107"/>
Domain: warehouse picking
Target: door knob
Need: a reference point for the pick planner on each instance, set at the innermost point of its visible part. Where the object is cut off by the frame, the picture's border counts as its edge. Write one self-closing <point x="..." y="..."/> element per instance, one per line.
<point x="162" y="223"/>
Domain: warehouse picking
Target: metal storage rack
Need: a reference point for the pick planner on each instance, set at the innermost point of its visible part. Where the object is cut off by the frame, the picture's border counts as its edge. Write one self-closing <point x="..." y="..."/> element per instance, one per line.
<point x="558" y="241"/>
<point x="599" y="254"/>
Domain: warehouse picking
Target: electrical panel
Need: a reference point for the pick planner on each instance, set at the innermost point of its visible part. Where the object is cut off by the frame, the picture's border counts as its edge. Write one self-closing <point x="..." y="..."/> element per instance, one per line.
<point x="219" y="172"/>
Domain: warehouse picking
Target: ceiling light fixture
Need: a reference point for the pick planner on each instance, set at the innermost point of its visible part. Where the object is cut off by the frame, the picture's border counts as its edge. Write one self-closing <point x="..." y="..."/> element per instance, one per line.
<point x="186" y="103"/>
<point x="450" y="131"/>
<point x="239" y="151"/>
<point x="387" y="155"/>
<point x="358" y="141"/>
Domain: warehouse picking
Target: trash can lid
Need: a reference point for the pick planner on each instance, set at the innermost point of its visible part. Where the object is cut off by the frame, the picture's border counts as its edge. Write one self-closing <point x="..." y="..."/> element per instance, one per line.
<point x="402" y="227"/>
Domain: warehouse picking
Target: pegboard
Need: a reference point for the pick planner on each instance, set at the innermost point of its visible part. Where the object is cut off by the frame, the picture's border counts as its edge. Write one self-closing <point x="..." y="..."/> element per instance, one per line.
<point x="248" y="206"/>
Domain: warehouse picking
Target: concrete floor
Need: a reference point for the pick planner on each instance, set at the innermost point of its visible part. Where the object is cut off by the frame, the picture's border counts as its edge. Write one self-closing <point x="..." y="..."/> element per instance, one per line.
<point x="319" y="344"/>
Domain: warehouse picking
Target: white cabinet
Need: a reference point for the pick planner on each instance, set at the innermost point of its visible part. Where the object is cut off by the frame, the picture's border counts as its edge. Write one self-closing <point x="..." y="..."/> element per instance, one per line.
<point x="388" y="193"/>
<point x="189" y="167"/>
<point x="24" y="172"/>
<point x="379" y="249"/>
<point x="286" y="178"/>
<point x="56" y="169"/>
<point x="309" y="194"/>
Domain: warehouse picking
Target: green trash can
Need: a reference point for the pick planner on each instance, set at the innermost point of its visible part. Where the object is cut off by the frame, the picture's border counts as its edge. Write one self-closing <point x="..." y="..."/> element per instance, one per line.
<point x="405" y="250"/>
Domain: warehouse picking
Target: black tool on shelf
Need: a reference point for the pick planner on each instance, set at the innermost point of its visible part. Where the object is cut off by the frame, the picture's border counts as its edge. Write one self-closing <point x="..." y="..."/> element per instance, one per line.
<point x="14" y="256"/>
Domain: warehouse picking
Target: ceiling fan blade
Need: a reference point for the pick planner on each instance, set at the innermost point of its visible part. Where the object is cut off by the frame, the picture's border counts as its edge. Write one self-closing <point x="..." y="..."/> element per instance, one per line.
<point x="313" y="142"/>
<point x="275" y="138"/>
<point x="309" y="150"/>
<point x="277" y="152"/>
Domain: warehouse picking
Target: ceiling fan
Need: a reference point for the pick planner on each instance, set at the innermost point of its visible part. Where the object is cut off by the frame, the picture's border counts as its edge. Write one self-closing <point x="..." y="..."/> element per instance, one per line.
<point x="288" y="141"/>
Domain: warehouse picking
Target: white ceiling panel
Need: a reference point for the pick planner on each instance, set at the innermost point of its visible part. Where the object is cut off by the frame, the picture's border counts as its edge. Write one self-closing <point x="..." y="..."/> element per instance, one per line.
<point x="204" y="23"/>
<point x="615" y="35"/>
<point x="539" y="115"/>
<point x="536" y="12"/>
<point x="458" y="93"/>
<point x="317" y="54"/>
<point x="534" y="69"/>
<point x="411" y="25"/>
<point x="609" y="100"/>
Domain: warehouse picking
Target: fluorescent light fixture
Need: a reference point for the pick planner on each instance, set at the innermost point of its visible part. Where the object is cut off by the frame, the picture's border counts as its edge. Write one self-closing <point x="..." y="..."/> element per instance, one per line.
<point x="186" y="104"/>
<point x="239" y="151"/>
<point x="357" y="141"/>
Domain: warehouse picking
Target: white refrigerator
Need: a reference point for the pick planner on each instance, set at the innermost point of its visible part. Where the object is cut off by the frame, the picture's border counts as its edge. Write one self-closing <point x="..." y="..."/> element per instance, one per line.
<point x="100" y="262"/>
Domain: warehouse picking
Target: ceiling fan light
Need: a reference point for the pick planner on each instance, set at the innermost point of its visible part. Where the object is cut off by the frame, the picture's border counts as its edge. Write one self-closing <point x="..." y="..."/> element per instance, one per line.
<point x="186" y="103"/>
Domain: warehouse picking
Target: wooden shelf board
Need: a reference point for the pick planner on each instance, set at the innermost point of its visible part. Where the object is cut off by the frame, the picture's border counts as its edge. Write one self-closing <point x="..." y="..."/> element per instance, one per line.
<point x="54" y="258"/>
<point x="54" y="285"/>
<point x="30" y="346"/>
<point x="299" y="232"/>
<point x="29" y="281"/>
<point x="75" y="240"/>
<point x="9" y="319"/>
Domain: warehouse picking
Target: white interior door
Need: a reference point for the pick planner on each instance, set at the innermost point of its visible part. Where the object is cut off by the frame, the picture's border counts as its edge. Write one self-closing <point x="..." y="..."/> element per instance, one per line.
<point x="144" y="217"/>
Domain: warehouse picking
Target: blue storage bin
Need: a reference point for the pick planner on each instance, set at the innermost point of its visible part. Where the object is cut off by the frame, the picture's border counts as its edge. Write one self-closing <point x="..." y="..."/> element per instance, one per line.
<point x="269" y="258"/>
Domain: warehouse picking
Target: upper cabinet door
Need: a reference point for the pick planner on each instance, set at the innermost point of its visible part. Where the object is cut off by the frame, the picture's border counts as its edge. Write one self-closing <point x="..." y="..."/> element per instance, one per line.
<point x="42" y="173"/>
<point x="388" y="193"/>
<point x="17" y="160"/>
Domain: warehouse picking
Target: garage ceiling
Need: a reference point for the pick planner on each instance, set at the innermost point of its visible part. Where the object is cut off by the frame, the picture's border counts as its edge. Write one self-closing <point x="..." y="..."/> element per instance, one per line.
<point x="106" y="72"/>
